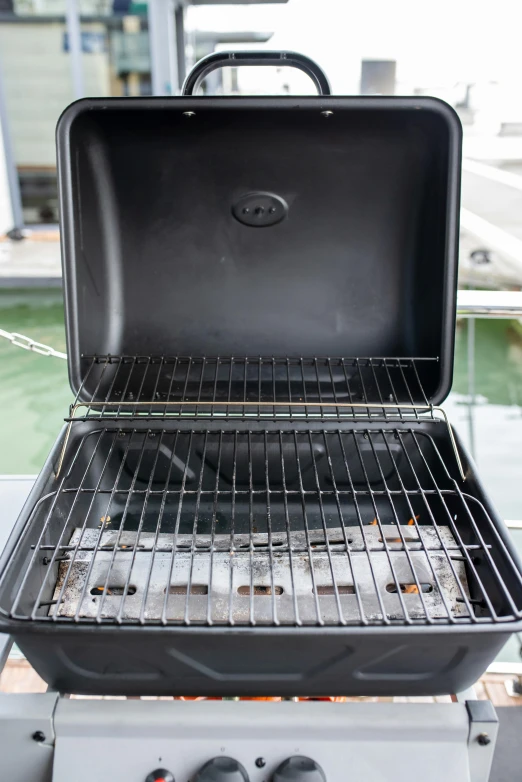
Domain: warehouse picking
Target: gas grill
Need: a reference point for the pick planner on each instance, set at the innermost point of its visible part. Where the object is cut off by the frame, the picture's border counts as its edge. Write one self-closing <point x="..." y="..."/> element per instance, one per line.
<point x="234" y="506"/>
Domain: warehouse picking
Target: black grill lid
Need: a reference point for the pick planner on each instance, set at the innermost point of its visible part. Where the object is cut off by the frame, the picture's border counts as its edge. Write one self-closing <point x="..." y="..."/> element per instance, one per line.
<point x="299" y="227"/>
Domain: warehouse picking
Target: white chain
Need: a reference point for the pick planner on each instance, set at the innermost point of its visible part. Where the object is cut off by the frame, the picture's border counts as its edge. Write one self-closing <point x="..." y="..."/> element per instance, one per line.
<point x="30" y="344"/>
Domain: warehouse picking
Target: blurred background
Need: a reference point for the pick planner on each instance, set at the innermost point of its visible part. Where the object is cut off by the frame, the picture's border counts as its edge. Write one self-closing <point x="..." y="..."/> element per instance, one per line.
<point x="463" y="51"/>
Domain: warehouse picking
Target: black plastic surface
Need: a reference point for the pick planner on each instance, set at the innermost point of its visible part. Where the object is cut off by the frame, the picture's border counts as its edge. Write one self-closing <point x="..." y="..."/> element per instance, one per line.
<point x="364" y="264"/>
<point x="258" y="57"/>
<point x="481" y="711"/>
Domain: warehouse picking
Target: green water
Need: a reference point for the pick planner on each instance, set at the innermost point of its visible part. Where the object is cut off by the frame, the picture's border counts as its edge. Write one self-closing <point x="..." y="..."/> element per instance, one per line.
<point x="34" y="390"/>
<point x="498" y="360"/>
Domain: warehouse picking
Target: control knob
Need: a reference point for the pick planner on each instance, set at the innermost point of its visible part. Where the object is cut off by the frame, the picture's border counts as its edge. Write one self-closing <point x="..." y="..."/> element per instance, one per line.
<point x="160" y="775"/>
<point x="222" y="769"/>
<point x="299" y="769"/>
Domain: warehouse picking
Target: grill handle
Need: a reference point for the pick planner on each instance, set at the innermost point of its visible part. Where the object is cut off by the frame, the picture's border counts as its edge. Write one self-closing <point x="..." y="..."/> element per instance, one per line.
<point x="227" y="59"/>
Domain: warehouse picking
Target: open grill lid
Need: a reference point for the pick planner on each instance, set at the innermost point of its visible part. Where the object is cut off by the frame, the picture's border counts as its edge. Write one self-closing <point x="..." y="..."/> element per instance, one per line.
<point x="296" y="227"/>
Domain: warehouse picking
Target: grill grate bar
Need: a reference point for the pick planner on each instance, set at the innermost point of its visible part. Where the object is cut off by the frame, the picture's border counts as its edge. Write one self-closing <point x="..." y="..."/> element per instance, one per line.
<point x="377" y="386"/>
<point x="251" y="531"/>
<point x="213" y="531"/>
<point x="195" y="528"/>
<point x="176" y="532"/>
<point x="292" y="550"/>
<point x="378" y="522"/>
<point x="126" y="392"/>
<point x="343" y="526"/>
<point x="406" y="384"/>
<point x="138" y="533"/>
<point x="324" y="527"/>
<point x="307" y="534"/>
<point x="269" y="532"/>
<point x="155" y="547"/>
<point x="326" y="538"/>
<point x="100" y="534"/>
<point x="289" y="492"/>
<point x="232" y="532"/>
<point x="128" y="548"/>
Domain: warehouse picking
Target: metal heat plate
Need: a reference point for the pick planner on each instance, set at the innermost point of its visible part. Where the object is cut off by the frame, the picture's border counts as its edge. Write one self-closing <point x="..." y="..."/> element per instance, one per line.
<point x="292" y="579"/>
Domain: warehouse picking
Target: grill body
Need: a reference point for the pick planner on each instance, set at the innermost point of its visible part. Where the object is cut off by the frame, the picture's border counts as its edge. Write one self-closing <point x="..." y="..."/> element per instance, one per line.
<point x="226" y="512"/>
<point x="418" y="650"/>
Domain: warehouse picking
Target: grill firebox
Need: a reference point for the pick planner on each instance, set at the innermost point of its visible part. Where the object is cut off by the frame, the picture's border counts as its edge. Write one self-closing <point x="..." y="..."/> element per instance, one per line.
<point x="330" y="525"/>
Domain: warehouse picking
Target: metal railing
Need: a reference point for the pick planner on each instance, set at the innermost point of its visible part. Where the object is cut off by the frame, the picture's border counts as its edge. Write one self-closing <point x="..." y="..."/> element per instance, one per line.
<point x="489" y="304"/>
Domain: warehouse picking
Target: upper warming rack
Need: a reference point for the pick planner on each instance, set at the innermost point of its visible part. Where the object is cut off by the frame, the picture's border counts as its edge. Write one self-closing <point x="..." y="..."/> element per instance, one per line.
<point x="161" y="386"/>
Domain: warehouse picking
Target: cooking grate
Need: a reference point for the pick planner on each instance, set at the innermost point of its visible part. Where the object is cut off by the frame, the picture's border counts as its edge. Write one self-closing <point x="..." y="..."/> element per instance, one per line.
<point x="259" y="386"/>
<point x="273" y="526"/>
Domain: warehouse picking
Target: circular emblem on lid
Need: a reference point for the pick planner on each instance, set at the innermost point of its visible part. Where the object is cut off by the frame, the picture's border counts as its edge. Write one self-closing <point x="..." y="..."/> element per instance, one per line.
<point x="260" y="210"/>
